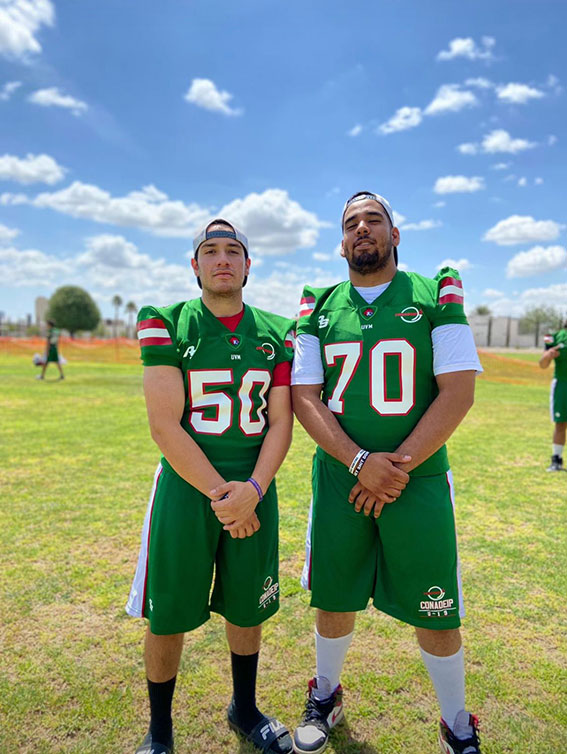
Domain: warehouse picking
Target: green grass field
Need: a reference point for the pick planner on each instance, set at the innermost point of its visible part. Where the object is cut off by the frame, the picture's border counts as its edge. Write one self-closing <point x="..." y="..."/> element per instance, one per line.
<point x="77" y="466"/>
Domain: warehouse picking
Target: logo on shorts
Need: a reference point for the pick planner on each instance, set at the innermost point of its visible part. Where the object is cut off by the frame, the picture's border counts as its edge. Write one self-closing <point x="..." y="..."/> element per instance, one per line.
<point x="270" y="593"/>
<point x="151" y="604"/>
<point x="189" y="352"/>
<point x="435" y="606"/>
<point x="323" y="321"/>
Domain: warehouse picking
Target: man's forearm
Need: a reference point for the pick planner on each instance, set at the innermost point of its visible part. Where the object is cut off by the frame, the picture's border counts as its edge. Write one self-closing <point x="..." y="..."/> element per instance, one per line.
<point x="321" y="424"/>
<point x="186" y="457"/>
<point x="434" y="428"/>
<point x="274" y="450"/>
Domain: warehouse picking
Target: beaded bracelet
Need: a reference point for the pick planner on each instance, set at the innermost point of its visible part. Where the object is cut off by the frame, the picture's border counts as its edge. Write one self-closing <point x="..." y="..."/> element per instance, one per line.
<point x="257" y="487"/>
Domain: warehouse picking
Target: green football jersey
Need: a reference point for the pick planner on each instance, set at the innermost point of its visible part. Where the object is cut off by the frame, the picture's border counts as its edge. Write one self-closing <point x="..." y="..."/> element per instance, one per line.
<point x="559" y="340"/>
<point x="227" y="375"/>
<point x="378" y="358"/>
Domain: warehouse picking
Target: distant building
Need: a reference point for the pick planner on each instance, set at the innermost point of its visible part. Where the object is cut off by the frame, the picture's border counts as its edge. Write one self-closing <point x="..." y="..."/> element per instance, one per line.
<point x="41" y="304"/>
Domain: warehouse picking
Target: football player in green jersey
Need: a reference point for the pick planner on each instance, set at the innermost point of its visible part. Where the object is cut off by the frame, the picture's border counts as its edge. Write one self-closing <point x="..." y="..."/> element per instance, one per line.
<point x="51" y="350"/>
<point x="383" y="374"/>
<point x="556" y="352"/>
<point x="216" y="382"/>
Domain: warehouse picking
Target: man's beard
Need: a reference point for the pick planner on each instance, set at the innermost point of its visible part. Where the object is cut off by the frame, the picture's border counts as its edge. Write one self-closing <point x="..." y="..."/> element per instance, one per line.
<point x="370" y="260"/>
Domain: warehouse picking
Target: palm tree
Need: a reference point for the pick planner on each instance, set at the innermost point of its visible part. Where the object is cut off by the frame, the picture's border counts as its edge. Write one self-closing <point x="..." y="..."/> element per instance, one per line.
<point x="116" y="303"/>
<point x="131" y="309"/>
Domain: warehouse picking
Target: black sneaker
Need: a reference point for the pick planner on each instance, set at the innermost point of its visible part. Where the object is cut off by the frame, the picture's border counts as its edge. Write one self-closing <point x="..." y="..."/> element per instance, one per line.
<point x="148" y="747"/>
<point x="449" y="742"/>
<point x="312" y="733"/>
<point x="556" y="464"/>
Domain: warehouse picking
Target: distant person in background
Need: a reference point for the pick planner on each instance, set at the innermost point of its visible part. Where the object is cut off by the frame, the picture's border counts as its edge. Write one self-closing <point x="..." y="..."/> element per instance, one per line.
<point x="556" y="351"/>
<point x="52" y="350"/>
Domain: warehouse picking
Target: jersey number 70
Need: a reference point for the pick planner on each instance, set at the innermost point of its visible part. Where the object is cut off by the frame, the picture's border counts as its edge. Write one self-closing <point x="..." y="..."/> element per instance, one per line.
<point x="351" y="353"/>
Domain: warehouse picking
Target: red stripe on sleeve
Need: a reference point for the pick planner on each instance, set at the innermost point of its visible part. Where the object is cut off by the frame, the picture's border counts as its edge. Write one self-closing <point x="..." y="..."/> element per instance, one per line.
<point x="451" y="298"/>
<point x="145" y="323"/>
<point x="282" y="374"/>
<point x="155" y="342"/>
<point x="451" y="281"/>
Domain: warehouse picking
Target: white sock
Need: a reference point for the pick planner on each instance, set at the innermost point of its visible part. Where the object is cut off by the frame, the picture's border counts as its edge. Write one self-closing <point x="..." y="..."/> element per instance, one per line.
<point x="331" y="655"/>
<point x="448" y="677"/>
<point x="558" y="450"/>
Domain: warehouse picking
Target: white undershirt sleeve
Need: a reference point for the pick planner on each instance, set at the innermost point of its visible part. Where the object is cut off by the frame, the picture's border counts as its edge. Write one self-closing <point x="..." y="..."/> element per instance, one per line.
<point x="454" y="349"/>
<point x="307" y="364"/>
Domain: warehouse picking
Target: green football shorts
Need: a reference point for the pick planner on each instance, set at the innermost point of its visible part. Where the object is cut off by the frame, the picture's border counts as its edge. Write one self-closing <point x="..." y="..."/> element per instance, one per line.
<point x="53" y="354"/>
<point x="406" y="560"/>
<point x="183" y="545"/>
<point x="558" y="400"/>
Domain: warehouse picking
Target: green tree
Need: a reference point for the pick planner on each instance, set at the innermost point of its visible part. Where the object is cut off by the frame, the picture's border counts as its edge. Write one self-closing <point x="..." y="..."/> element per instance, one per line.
<point x="539" y="318"/>
<point x="116" y="303"/>
<point x="482" y="310"/>
<point x="73" y="309"/>
<point x="131" y="309"/>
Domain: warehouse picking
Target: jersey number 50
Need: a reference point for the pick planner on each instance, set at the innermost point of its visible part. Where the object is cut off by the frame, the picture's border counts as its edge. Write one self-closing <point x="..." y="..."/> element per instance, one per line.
<point x="198" y="379"/>
<point x="351" y="353"/>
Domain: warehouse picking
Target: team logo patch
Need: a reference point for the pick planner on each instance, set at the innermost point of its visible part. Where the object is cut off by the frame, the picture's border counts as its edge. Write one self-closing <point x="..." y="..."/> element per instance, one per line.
<point x="234" y="340"/>
<point x="368" y="312"/>
<point x="410" y="314"/>
<point x="270" y="593"/>
<point x="435" y="605"/>
<point x="268" y="349"/>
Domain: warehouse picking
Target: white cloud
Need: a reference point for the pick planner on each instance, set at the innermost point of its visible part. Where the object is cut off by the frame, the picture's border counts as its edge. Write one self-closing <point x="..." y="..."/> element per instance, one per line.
<point x="523" y="181"/>
<point x="31" y="268"/>
<point x="440" y="204"/>
<point x="204" y="93"/>
<point x="492" y="293"/>
<point x="8" y="89"/>
<point x="355" y="130"/>
<point x="39" y="168"/>
<point x="551" y="140"/>
<point x="319" y="256"/>
<point x="538" y="181"/>
<point x="468" y="148"/>
<point x="500" y="140"/>
<point x="537" y="261"/>
<point x="7" y="234"/>
<point x="20" y="21"/>
<point x="518" y="229"/>
<point x="466" y="47"/>
<point x="501" y="166"/>
<point x="480" y="83"/>
<point x="554" y="84"/>
<point x="422" y="225"/>
<point x="274" y="223"/>
<point x="458" y="184"/>
<point x="404" y="118"/>
<point x="518" y="94"/>
<point x="462" y="265"/>
<point x="399" y="220"/>
<point x="137" y="210"/>
<point x="52" y="97"/>
<point x="450" y="98"/>
<point x="281" y="291"/>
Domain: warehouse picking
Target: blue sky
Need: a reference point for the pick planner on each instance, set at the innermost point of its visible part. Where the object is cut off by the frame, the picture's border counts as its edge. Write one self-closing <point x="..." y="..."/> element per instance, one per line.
<point x="125" y="126"/>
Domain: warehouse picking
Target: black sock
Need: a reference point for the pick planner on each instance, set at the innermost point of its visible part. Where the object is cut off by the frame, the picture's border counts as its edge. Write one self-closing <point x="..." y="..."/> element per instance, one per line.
<point x="161" y="696"/>
<point x="244" y="671"/>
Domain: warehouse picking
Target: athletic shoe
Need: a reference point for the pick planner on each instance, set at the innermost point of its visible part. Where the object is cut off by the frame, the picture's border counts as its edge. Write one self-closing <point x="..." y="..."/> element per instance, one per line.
<point x="312" y="733"/>
<point x="148" y="747"/>
<point x="467" y="724"/>
<point x="556" y="464"/>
